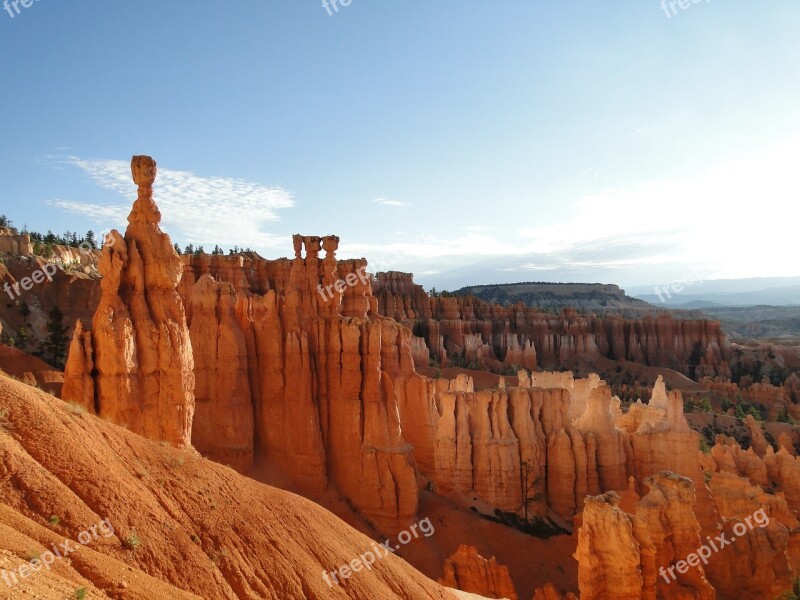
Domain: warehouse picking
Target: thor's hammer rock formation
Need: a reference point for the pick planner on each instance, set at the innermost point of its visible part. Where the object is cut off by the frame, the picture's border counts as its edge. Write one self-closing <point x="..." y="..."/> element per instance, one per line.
<point x="138" y="353"/>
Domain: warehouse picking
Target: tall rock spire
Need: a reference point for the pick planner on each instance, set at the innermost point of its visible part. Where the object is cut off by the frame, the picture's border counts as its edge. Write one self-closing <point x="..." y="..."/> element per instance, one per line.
<point x="143" y="375"/>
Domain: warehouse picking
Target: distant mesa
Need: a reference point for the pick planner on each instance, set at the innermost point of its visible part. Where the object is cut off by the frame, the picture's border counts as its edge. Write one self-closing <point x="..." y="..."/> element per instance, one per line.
<point x="584" y="297"/>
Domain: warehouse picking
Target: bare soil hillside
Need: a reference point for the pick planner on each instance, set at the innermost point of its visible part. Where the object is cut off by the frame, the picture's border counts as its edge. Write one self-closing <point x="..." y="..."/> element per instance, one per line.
<point x="183" y="526"/>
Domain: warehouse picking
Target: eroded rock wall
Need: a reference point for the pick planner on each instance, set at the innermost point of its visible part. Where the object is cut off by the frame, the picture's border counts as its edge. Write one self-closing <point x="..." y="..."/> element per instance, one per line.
<point x="456" y="326"/>
<point x="318" y="363"/>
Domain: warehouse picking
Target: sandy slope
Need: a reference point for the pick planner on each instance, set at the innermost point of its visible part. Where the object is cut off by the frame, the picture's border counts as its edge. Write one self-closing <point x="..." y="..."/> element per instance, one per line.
<point x="203" y="528"/>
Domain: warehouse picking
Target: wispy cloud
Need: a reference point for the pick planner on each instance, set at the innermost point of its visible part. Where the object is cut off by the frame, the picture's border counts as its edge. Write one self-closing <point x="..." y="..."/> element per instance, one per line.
<point x="735" y="218"/>
<point x="96" y="212"/>
<point x="219" y="210"/>
<point x="388" y="202"/>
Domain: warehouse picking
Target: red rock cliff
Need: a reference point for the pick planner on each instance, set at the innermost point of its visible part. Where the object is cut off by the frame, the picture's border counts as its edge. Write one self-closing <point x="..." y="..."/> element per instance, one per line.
<point x="482" y="334"/>
<point x="313" y="364"/>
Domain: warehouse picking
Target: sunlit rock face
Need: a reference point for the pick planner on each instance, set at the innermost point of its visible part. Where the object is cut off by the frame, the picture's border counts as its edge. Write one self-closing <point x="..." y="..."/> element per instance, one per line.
<point x="468" y="571"/>
<point x="299" y="375"/>
<point x="141" y="356"/>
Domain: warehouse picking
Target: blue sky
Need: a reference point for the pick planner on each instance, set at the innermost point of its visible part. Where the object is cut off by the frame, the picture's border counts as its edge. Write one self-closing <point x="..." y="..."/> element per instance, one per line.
<point x="468" y="142"/>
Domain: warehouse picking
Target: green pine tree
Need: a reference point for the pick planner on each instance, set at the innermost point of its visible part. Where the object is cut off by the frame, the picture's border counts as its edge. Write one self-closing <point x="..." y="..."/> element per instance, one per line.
<point x="22" y="335"/>
<point x="55" y="346"/>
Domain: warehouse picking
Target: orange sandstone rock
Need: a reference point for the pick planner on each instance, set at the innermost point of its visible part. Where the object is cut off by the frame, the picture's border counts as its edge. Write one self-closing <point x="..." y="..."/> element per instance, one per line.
<point x="762" y="560"/>
<point x="468" y="571"/>
<point x="549" y="592"/>
<point x="620" y="554"/>
<point x="78" y="382"/>
<point x="730" y="458"/>
<point x="321" y="368"/>
<point x="457" y="326"/>
<point x="759" y="442"/>
<point x="608" y="552"/>
<point x="141" y="349"/>
<point x="224" y="424"/>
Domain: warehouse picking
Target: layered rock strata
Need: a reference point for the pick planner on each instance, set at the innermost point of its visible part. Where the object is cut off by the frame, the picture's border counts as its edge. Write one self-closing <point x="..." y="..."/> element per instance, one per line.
<point x="485" y="335"/>
<point x="518" y="445"/>
<point x="310" y="364"/>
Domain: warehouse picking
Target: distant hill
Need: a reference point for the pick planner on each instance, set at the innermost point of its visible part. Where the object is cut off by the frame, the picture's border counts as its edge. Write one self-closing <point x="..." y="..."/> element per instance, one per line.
<point x="584" y="297"/>
<point x="775" y="323"/>
<point x="697" y="304"/>
<point x="773" y="291"/>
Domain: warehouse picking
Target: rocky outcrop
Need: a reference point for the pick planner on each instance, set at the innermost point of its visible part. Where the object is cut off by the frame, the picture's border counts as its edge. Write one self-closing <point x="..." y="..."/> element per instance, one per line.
<point x="784" y="470"/>
<point x="608" y="553"/>
<point x="286" y="369"/>
<point x="33" y="287"/>
<point x="316" y="366"/>
<point x="758" y="442"/>
<point x="464" y="328"/>
<point x="786" y="442"/>
<point x="660" y="440"/>
<point x="493" y="444"/>
<point x="558" y="433"/>
<point x="792" y="387"/>
<point x="223" y="427"/>
<point x="549" y="592"/>
<point x="763" y="556"/>
<point x="78" y="380"/>
<point x="626" y="556"/>
<point x="143" y="375"/>
<point x="468" y="571"/>
<point x="12" y="242"/>
<point x="293" y="364"/>
<point x="730" y="458"/>
<point x="779" y="470"/>
<point x="773" y="400"/>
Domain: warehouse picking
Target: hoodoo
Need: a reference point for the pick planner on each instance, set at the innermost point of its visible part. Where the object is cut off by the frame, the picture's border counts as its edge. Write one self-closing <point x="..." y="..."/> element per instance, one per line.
<point x="138" y="354"/>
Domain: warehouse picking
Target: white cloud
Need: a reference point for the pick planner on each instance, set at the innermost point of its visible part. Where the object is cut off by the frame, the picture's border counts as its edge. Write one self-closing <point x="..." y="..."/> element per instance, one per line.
<point x="206" y="210"/>
<point x="736" y="219"/>
<point x="388" y="202"/>
<point x="98" y="213"/>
